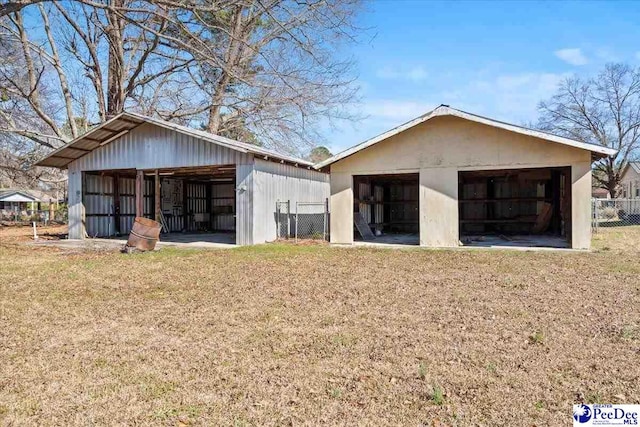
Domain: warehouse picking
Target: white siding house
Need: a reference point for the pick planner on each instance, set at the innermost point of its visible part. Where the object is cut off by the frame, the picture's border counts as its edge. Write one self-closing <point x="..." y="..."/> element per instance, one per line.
<point x="630" y="181"/>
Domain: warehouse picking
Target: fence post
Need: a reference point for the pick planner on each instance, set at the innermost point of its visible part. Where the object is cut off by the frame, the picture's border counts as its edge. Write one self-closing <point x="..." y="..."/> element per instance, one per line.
<point x="593" y="215"/>
<point x="288" y="219"/>
<point x="326" y="217"/>
<point x="278" y="229"/>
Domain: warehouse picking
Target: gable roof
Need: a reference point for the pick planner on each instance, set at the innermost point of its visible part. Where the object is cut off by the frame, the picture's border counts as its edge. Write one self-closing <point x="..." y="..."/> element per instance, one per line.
<point x="445" y="110"/>
<point x="125" y="122"/>
<point x="15" y="195"/>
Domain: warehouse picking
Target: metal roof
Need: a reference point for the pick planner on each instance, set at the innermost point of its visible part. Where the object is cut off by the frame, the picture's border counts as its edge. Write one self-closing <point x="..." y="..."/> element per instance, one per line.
<point x="125" y="122"/>
<point x="445" y="110"/>
<point x="635" y="166"/>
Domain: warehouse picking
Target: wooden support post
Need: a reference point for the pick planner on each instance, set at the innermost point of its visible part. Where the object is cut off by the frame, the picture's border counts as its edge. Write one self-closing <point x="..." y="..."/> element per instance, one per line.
<point x="139" y="193"/>
<point x="158" y="206"/>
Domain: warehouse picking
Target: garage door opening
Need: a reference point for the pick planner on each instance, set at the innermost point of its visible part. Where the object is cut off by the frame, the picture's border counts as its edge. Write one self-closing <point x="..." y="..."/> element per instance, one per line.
<point x="515" y="207"/>
<point x="197" y="205"/>
<point x="386" y="209"/>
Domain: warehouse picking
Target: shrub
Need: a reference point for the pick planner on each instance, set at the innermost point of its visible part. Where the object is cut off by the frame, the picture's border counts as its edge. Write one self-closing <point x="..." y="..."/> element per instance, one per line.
<point x="437" y="395"/>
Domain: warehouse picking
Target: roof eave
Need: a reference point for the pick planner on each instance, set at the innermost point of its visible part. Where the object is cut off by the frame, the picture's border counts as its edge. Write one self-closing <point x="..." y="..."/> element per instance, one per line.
<point x="42" y="162"/>
<point x="140" y="119"/>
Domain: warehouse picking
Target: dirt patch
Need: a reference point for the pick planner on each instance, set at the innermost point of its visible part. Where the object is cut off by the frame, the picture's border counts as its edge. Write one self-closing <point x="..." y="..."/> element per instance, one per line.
<point x="285" y="334"/>
<point x="24" y="233"/>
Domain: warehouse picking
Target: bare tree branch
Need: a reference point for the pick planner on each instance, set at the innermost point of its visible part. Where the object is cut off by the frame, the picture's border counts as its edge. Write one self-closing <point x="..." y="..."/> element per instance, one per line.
<point x="605" y="111"/>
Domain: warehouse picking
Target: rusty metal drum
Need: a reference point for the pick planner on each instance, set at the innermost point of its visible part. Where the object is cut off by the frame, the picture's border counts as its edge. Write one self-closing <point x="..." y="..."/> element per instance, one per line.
<point x="144" y="234"/>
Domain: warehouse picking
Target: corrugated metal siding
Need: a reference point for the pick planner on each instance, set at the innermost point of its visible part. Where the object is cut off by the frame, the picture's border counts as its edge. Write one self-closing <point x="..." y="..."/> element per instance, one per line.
<point x="378" y="195"/>
<point x="197" y="206"/>
<point x="76" y="208"/>
<point x="152" y="147"/>
<point x="364" y="192"/>
<point x="223" y="207"/>
<point x="127" y="190"/>
<point x="98" y="205"/>
<point x="244" y="204"/>
<point x="277" y="181"/>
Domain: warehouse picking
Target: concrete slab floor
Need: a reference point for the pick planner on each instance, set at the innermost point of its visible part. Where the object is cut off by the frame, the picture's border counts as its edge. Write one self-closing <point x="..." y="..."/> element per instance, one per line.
<point x="391" y="240"/>
<point x="518" y="241"/>
<point x="180" y="240"/>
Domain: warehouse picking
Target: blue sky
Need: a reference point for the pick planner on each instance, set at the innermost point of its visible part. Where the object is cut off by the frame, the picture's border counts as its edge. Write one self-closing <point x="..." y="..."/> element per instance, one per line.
<point x="497" y="59"/>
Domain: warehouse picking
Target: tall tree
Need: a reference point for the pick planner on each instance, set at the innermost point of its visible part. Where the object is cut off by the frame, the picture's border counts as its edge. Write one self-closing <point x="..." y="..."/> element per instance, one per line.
<point x="266" y="70"/>
<point x="604" y="110"/>
<point x="273" y="66"/>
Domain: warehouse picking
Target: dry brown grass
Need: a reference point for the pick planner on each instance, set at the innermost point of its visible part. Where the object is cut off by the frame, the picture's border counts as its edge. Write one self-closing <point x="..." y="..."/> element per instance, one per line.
<point x="282" y="334"/>
<point x="24" y="233"/>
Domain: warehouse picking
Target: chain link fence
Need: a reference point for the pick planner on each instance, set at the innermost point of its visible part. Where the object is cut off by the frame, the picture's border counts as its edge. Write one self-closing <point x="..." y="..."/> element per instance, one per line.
<point x="614" y="212"/>
<point x="302" y="220"/>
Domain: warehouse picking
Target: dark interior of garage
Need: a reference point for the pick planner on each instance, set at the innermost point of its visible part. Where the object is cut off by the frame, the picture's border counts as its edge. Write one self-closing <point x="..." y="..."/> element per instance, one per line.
<point x="515" y="204"/>
<point x="388" y="205"/>
<point x="191" y="200"/>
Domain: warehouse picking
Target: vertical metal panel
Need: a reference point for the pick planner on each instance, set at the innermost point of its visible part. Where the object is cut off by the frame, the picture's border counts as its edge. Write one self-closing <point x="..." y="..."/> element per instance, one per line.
<point x="127" y="188"/>
<point x="364" y="193"/>
<point x="151" y="147"/>
<point x="244" y="204"/>
<point x="223" y="207"/>
<point x="277" y="181"/>
<point x="76" y="208"/>
<point x="98" y="205"/>
<point x="196" y="203"/>
<point x="378" y="194"/>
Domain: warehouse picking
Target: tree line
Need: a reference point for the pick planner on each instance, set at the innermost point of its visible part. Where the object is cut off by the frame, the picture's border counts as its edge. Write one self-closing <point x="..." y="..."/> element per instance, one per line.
<point x="262" y="71"/>
<point x="269" y="72"/>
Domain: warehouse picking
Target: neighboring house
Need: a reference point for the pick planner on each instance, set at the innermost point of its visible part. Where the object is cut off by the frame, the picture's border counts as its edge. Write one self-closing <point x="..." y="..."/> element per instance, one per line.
<point x="449" y="177"/>
<point x="630" y="181"/>
<point x="600" y="193"/>
<point x="192" y="180"/>
<point x="18" y="200"/>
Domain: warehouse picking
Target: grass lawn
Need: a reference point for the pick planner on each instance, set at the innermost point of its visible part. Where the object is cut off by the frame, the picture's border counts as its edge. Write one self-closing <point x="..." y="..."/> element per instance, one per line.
<point x="288" y="335"/>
